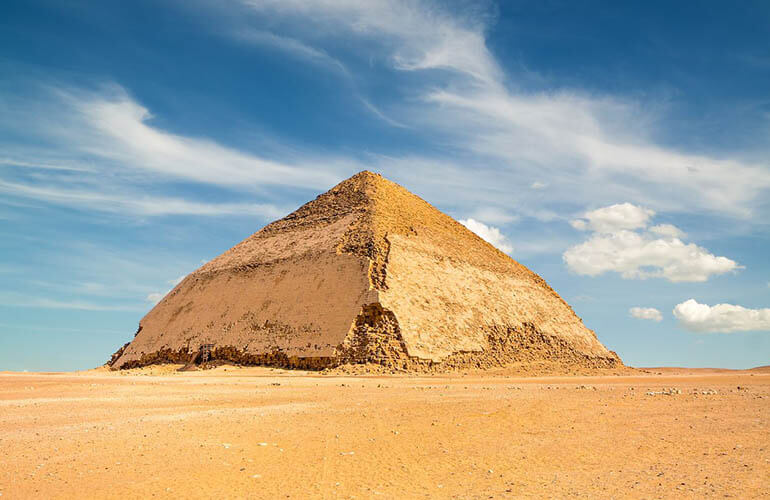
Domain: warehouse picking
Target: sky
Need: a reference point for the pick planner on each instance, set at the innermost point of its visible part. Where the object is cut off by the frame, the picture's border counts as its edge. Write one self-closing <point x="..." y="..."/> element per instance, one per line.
<point x="621" y="150"/>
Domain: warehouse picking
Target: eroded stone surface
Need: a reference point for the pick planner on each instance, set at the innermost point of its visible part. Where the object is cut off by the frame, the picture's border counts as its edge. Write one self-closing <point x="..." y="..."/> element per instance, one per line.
<point x="365" y="273"/>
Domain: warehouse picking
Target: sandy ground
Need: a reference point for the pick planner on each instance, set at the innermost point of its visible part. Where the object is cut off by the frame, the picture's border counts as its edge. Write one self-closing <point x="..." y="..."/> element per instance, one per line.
<point x="259" y="433"/>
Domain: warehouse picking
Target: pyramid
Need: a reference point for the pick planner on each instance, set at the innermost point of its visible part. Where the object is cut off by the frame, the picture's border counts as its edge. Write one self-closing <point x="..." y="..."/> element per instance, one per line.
<point x="365" y="273"/>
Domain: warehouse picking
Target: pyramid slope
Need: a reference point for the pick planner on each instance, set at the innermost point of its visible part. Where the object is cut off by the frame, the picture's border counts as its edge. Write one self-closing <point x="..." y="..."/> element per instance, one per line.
<point x="366" y="272"/>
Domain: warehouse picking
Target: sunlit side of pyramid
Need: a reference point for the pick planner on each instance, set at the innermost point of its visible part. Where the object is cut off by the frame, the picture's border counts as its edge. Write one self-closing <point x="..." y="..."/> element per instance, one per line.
<point x="365" y="273"/>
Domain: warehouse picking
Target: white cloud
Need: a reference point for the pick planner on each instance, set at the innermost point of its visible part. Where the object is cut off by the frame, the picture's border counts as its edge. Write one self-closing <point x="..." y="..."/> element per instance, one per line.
<point x="668" y="230"/>
<point x="156" y="297"/>
<point x="721" y="318"/>
<point x="657" y="252"/>
<point x="136" y="204"/>
<point x="638" y="256"/>
<point x="493" y="215"/>
<point x="648" y="313"/>
<point x="420" y="35"/>
<point x="92" y="289"/>
<point x="29" y="301"/>
<point x="292" y="46"/>
<point x="99" y="149"/>
<point x="614" y="218"/>
<point x="44" y="166"/>
<point x="490" y="234"/>
<point x="379" y="114"/>
<point x="597" y="144"/>
<point x="585" y="148"/>
<point x="114" y="126"/>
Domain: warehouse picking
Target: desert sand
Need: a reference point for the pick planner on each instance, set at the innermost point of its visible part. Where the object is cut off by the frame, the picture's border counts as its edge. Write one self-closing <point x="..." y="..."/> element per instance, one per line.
<point x="265" y="433"/>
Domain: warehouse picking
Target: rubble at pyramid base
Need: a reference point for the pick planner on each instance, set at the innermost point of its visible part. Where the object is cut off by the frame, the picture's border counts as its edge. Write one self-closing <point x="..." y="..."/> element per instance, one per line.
<point x="376" y="343"/>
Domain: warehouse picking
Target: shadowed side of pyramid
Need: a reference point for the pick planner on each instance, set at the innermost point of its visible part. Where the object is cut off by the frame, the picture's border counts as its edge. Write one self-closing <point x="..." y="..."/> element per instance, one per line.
<point x="365" y="273"/>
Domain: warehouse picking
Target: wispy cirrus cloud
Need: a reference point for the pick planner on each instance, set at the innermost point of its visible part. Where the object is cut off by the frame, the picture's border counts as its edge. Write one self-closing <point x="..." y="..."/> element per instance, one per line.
<point x="574" y="140"/>
<point x="99" y="150"/>
<point x="116" y="127"/>
<point x="493" y="215"/>
<point x="91" y="277"/>
<point x="137" y="204"/>
<point x="44" y="166"/>
<point x="12" y="299"/>
<point x="379" y="114"/>
<point x="291" y="45"/>
<point x="416" y="35"/>
<point x="494" y="138"/>
<point x="572" y="149"/>
<point x="563" y="138"/>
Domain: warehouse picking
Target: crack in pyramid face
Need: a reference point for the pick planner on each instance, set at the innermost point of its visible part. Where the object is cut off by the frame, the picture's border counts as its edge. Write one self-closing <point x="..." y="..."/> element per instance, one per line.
<point x="366" y="272"/>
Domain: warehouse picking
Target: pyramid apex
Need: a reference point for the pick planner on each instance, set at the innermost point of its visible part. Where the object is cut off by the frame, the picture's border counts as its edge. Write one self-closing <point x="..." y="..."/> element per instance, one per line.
<point x="366" y="175"/>
<point x="365" y="180"/>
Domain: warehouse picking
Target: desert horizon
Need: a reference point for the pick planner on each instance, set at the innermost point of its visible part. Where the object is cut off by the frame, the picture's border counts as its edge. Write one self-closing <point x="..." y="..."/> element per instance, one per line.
<point x="397" y="249"/>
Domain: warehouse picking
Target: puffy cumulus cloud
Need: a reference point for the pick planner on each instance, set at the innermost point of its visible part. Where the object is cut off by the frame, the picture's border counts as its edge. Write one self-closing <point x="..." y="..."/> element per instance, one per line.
<point x="640" y="256"/>
<point x="668" y="230"/>
<point x="490" y="234"/>
<point x="721" y="318"/>
<point x="579" y="224"/>
<point x="613" y="218"/>
<point x="657" y="252"/>
<point x="649" y="313"/>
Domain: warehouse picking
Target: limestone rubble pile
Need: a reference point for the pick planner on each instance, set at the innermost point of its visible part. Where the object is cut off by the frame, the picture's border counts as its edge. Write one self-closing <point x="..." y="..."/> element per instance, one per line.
<point x="365" y="273"/>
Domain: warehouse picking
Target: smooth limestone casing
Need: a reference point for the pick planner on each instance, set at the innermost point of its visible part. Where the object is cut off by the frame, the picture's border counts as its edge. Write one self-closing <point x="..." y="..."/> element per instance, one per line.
<point x="470" y="299"/>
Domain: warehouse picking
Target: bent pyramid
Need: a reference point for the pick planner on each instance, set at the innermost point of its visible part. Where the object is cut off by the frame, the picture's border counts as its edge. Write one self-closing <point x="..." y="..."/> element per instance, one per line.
<point x="365" y="273"/>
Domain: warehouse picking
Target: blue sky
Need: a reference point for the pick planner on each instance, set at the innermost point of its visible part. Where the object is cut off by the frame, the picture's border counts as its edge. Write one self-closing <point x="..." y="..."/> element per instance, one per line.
<point x="620" y="151"/>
